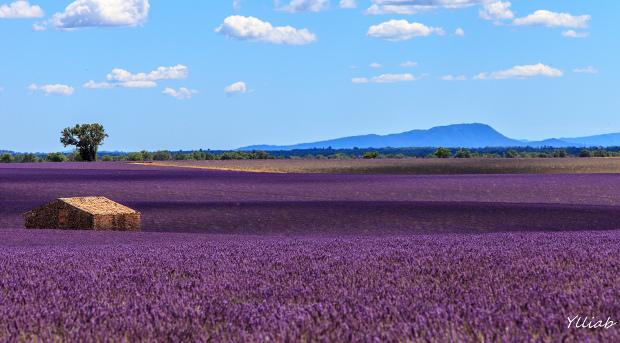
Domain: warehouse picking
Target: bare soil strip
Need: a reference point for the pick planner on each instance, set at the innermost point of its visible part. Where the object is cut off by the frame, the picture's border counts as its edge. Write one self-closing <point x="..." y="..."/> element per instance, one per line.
<point x="410" y="166"/>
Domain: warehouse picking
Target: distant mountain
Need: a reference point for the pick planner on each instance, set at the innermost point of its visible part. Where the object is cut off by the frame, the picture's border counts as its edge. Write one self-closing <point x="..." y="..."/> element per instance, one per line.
<point x="610" y="139"/>
<point x="452" y="136"/>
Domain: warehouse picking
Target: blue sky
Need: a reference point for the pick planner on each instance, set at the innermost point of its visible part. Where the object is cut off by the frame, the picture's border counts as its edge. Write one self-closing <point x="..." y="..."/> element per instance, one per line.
<point x="219" y="74"/>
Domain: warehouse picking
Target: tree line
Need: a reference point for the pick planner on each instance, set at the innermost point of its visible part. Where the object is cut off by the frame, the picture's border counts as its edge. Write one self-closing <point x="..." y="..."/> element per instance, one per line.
<point x="87" y="138"/>
<point x="201" y="155"/>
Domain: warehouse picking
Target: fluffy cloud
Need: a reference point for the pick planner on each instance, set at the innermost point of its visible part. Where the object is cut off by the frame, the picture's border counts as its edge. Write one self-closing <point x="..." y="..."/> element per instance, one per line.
<point x="254" y="29"/>
<point x="454" y="78"/>
<point x="123" y="78"/>
<point x="398" y="30"/>
<point x="162" y="73"/>
<point x="52" y="89"/>
<point x="459" y="32"/>
<point x="101" y="13"/>
<point x="521" y="72"/>
<point x="126" y="84"/>
<point x="496" y="11"/>
<point x="586" y="70"/>
<point x="348" y="4"/>
<point x="409" y="64"/>
<point x="237" y="87"/>
<point x="97" y="85"/>
<point x="574" y="34"/>
<point x="306" y="6"/>
<point x="391" y="78"/>
<point x="554" y="19"/>
<point x="20" y="9"/>
<point x="385" y="78"/>
<point x="415" y="6"/>
<point x="182" y="93"/>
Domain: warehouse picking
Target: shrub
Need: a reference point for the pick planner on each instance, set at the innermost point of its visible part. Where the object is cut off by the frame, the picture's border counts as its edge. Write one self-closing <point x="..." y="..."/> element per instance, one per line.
<point x="233" y="155"/>
<point x="6" y="158"/>
<point x="182" y="157"/>
<point x="146" y="156"/>
<point x="443" y="153"/>
<point x="585" y="153"/>
<point x="107" y="158"/>
<point x="560" y="153"/>
<point x="511" y="154"/>
<point x="199" y="155"/>
<point x="55" y="157"/>
<point x="259" y="155"/>
<point x="28" y="158"/>
<point x="135" y="156"/>
<point x="600" y="153"/>
<point x="371" y="155"/>
<point x="463" y="153"/>
<point x="162" y="156"/>
<point x="74" y="157"/>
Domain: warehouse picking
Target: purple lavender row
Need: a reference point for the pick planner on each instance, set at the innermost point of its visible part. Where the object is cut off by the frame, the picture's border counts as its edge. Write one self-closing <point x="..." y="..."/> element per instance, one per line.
<point x="85" y="286"/>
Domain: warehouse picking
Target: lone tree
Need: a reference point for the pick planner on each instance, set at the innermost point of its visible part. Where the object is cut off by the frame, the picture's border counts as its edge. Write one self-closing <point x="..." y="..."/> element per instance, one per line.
<point x="86" y="138"/>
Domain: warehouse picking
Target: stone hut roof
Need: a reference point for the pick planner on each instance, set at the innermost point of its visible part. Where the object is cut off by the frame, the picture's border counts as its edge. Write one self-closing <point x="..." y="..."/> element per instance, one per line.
<point x="97" y="205"/>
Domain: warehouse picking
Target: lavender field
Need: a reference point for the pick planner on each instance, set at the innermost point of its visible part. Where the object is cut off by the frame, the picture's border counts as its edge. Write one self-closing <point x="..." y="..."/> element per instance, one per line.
<point x="510" y="287"/>
<point x="230" y="256"/>
<point x="194" y="200"/>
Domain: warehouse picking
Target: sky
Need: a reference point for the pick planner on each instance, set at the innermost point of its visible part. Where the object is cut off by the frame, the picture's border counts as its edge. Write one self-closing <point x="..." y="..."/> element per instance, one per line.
<point x="224" y="74"/>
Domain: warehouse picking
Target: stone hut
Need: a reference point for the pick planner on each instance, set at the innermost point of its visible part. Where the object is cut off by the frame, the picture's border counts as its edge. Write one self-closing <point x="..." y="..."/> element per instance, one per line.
<point x="87" y="213"/>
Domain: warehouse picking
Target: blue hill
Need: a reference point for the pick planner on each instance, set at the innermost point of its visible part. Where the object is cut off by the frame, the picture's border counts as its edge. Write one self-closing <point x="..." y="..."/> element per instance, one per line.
<point x="452" y="136"/>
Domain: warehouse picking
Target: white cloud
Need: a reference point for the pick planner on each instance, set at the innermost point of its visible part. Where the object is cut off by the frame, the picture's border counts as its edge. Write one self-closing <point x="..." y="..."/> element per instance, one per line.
<point x="521" y="72"/>
<point x="306" y="6"/>
<point x="100" y="13"/>
<point x="237" y="87"/>
<point x="554" y="19"/>
<point x="454" y="78"/>
<point x="125" y="84"/>
<point x="398" y="30"/>
<point x="459" y="32"/>
<point x="416" y="6"/>
<point x="575" y="34"/>
<point x="375" y="65"/>
<point x="385" y="78"/>
<point x="409" y="64"/>
<point x="162" y="73"/>
<point x="52" y="89"/>
<point x="391" y="78"/>
<point x="39" y="26"/>
<point x="97" y="85"/>
<point x="348" y="4"/>
<point x="182" y="94"/>
<point x="20" y="9"/>
<point x="496" y="11"/>
<point x="254" y="29"/>
<point x="123" y="78"/>
<point x="586" y="70"/>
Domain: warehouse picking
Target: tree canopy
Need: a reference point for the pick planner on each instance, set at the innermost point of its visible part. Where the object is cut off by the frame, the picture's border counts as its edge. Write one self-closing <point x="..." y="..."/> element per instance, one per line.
<point x="86" y="138"/>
